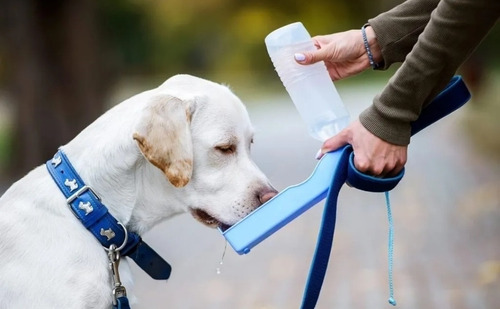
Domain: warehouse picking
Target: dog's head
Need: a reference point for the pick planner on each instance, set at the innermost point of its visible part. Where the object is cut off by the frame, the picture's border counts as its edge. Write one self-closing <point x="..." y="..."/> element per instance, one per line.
<point x="198" y="133"/>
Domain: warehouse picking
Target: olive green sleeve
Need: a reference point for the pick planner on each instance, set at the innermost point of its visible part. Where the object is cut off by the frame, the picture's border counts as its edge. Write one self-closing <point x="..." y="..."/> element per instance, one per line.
<point x="397" y="30"/>
<point x="454" y="30"/>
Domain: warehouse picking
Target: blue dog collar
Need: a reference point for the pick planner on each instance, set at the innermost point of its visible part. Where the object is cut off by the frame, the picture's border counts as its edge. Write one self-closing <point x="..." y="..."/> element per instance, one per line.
<point x="87" y="207"/>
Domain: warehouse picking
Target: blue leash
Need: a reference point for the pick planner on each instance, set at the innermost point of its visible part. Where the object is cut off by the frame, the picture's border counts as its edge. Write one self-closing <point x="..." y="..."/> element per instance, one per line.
<point x="325" y="237"/>
<point x="450" y="99"/>
<point x="121" y="303"/>
<point x="390" y="249"/>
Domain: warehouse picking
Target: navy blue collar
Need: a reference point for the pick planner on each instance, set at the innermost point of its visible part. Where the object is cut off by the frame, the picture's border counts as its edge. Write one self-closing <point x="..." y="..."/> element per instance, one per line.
<point x="86" y="205"/>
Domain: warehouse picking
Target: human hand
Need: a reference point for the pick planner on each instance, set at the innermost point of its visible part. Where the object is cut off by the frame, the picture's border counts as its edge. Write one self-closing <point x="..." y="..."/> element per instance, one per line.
<point x="344" y="53"/>
<point x="372" y="155"/>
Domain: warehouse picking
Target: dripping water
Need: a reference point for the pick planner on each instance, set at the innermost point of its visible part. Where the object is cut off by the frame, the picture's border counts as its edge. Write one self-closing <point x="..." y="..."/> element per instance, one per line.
<point x="218" y="270"/>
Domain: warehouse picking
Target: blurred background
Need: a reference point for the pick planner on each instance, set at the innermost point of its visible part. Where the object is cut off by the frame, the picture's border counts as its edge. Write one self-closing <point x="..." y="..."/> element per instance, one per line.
<point x="63" y="63"/>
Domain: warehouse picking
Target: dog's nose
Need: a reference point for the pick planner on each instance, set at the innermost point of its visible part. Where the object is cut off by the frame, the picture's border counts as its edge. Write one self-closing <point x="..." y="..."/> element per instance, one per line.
<point x="267" y="194"/>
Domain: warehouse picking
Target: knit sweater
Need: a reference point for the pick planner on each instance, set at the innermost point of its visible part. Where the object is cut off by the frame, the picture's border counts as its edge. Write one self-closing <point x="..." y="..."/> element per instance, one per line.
<point x="432" y="38"/>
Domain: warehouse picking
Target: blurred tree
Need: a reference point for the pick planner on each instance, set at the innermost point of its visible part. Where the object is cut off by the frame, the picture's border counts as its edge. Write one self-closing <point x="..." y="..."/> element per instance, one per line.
<point x="56" y="78"/>
<point x="59" y="69"/>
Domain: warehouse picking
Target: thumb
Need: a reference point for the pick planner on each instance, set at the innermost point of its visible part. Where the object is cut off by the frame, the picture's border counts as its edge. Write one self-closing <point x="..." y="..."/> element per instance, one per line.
<point x="334" y="142"/>
<point x="310" y="57"/>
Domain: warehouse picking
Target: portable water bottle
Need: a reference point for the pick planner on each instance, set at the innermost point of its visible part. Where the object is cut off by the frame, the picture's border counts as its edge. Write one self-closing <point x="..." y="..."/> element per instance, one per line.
<point x="309" y="86"/>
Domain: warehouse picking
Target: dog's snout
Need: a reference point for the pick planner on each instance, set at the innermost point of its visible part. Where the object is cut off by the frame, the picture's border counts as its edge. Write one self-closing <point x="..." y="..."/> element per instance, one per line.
<point x="267" y="194"/>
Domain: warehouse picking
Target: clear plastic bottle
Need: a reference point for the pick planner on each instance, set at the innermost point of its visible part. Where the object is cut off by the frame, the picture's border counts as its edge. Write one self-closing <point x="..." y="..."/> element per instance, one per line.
<point x="309" y="86"/>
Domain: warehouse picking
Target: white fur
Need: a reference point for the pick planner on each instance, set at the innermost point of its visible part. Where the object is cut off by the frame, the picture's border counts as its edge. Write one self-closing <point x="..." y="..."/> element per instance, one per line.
<point x="49" y="260"/>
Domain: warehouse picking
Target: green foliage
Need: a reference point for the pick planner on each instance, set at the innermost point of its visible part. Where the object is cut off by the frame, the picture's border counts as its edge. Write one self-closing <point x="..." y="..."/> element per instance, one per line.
<point x="5" y="147"/>
<point x="223" y="37"/>
<point x="214" y="36"/>
<point x="124" y="30"/>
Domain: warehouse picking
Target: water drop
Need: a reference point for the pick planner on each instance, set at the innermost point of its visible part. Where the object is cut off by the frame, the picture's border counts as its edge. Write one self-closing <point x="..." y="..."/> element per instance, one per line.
<point x="218" y="270"/>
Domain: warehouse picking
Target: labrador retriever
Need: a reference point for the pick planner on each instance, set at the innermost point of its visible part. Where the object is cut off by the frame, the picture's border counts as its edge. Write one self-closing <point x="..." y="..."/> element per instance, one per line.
<point x="182" y="147"/>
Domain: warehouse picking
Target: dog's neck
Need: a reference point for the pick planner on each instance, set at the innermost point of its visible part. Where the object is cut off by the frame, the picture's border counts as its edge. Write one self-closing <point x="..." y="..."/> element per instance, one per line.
<point x="115" y="168"/>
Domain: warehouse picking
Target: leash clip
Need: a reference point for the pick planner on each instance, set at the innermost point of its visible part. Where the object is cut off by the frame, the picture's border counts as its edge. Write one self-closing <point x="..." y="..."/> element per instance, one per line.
<point x="119" y="290"/>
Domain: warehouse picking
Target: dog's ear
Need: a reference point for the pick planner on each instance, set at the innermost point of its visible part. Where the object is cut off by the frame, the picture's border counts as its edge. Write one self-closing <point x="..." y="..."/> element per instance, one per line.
<point x="164" y="137"/>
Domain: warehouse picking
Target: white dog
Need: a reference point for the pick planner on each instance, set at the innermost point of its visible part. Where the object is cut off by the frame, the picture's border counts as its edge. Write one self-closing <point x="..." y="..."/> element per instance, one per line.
<point x="182" y="147"/>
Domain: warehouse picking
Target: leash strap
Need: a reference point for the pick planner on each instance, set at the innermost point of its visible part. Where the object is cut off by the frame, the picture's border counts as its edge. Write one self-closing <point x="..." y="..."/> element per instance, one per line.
<point x="325" y="238"/>
<point x="87" y="207"/>
<point x="450" y="99"/>
<point x="390" y="250"/>
<point x="122" y="303"/>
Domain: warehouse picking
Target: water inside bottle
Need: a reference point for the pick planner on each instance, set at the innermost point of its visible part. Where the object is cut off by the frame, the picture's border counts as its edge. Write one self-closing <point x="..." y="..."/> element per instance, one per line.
<point x="309" y="86"/>
<point x="326" y="128"/>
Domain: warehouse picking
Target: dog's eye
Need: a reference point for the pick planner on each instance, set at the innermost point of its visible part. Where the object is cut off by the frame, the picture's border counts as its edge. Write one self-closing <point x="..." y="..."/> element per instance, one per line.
<point x="226" y="149"/>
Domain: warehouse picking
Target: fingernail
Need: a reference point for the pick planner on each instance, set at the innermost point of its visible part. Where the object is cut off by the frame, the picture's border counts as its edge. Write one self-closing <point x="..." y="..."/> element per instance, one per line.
<point x="319" y="154"/>
<point x="300" y="57"/>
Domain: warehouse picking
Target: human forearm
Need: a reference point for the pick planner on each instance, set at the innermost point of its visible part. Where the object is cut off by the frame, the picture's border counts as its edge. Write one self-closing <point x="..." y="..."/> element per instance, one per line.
<point x="454" y="30"/>
<point x="397" y="30"/>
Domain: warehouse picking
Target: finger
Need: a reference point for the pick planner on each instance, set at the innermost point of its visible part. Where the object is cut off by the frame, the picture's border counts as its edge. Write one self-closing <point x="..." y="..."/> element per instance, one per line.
<point x="333" y="143"/>
<point x="361" y="164"/>
<point x="395" y="170"/>
<point x="375" y="168"/>
<point x="301" y="58"/>
<point x="398" y="162"/>
<point x="388" y="170"/>
<point x="319" y="154"/>
<point x="336" y="141"/>
<point x="310" y="57"/>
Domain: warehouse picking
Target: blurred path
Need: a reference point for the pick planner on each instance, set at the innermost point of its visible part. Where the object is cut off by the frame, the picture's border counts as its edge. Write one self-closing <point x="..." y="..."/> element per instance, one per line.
<point x="447" y="225"/>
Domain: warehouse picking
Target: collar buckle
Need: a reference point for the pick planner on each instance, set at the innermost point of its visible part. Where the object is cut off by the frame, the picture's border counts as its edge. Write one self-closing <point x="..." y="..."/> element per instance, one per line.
<point x="80" y="191"/>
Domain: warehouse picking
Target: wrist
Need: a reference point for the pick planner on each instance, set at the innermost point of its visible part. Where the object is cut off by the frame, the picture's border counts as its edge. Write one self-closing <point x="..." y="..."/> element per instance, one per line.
<point x="373" y="44"/>
<point x="373" y="52"/>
